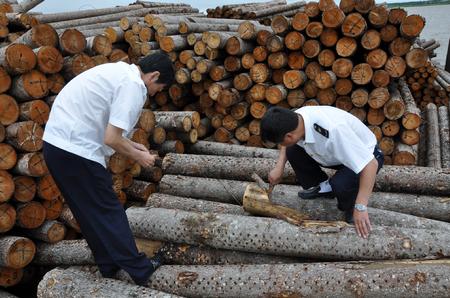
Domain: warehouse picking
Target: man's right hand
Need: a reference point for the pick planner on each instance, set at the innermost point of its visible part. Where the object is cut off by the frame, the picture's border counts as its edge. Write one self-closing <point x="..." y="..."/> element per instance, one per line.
<point x="275" y="175"/>
<point x="146" y="159"/>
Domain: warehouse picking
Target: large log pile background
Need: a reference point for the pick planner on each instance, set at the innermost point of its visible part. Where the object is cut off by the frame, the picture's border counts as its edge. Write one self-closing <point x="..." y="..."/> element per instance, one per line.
<point x="231" y="66"/>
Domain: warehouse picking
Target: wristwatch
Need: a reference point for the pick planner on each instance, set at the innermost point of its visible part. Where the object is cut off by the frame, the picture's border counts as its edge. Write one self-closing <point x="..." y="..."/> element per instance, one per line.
<point x="360" y="207"/>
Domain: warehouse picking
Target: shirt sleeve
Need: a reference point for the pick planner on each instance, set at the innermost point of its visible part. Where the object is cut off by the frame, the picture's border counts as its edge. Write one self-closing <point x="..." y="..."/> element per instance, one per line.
<point x="126" y="105"/>
<point x="349" y="149"/>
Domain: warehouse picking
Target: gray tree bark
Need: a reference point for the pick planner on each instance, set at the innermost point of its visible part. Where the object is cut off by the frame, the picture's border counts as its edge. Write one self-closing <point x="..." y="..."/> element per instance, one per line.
<point x="77" y="252"/>
<point x="355" y="279"/>
<point x="419" y="180"/>
<point x="272" y="236"/>
<point x="444" y="135"/>
<point x="433" y="141"/>
<point x="73" y="282"/>
<point x="232" y="191"/>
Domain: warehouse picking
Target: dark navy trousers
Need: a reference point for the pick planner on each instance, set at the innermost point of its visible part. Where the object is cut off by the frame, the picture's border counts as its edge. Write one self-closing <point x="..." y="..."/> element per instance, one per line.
<point x="345" y="182"/>
<point x="87" y="189"/>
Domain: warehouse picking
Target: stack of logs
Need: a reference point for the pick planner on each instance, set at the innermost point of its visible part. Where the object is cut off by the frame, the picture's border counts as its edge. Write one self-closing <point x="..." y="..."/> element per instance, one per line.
<point x="34" y="68"/>
<point x="429" y="83"/>
<point x="349" y="56"/>
<point x="197" y="218"/>
<point x="261" y="11"/>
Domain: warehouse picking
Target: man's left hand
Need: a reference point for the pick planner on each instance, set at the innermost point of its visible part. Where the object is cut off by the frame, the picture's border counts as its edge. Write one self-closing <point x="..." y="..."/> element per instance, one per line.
<point x="362" y="223"/>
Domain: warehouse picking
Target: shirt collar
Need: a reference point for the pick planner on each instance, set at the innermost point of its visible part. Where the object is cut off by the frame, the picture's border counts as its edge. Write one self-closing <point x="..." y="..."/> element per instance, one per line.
<point x="309" y="133"/>
<point x="137" y="72"/>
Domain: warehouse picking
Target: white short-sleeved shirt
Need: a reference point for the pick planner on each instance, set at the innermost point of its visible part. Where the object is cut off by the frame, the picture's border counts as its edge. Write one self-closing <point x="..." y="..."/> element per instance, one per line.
<point x="335" y="137"/>
<point x="110" y="93"/>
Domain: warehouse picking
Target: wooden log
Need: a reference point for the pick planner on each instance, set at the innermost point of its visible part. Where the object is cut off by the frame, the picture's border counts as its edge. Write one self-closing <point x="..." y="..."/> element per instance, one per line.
<point x="260" y="73"/>
<point x="371" y="39"/>
<point x="8" y="157"/>
<point x="394" y="108"/>
<point x="411" y="26"/>
<point x="376" y="58"/>
<point x="71" y="42"/>
<point x="410" y="137"/>
<point x="362" y="74"/>
<point x="17" y="58"/>
<point x="173" y="121"/>
<point x="145" y="222"/>
<point x="35" y="110"/>
<point x="53" y="208"/>
<point x="404" y="155"/>
<point x="400" y="46"/>
<point x="5" y="80"/>
<point x="24" y="189"/>
<point x="7" y="186"/>
<point x="416" y="58"/>
<point x="68" y="218"/>
<point x="342" y="87"/>
<point x="360" y="97"/>
<point x="75" y="65"/>
<point x="444" y="136"/>
<point x="389" y="178"/>
<point x="311" y="48"/>
<point x="411" y="119"/>
<point x="49" y="59"/>
<point x="158" y="200"/>
<point x="10" y="277"/>
<point x="29" y="85"/>
<point x="388" y="33"/>
<point x="16" y="252"/>
<point x="314" y="29"/>
<point x="7" y="217"/>
<point x="30" y="215"/>
<point x="38" y="36"/>
<point x="380" y="78"/>
<point x="60" y="282"/>
<point x="433" y="141"/>
<point x="390" y="128"/>
<point x="237" y="46"/>
<point x="25" y="136"/>
<point x="231" y="191"/>
<point x="354" y="25"/>
<point x="31" y="164"/>
<point x="346" y="46"/>
<point x="55" y="83"/>
<point x="329" y="37"/>
<point x="51" y="231"/>
<point x="378" y="97"/>
<point x="387" y="145"/>
<point x="47" y="188"/>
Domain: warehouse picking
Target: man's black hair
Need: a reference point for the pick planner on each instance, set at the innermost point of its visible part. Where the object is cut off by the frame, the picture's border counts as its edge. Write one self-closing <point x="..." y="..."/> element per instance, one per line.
<point x="158" y="62"/>
<point x="276" y="123"/>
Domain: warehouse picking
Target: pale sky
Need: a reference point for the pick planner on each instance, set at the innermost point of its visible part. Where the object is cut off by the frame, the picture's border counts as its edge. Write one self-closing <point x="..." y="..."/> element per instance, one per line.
<point x="49" y="6"/>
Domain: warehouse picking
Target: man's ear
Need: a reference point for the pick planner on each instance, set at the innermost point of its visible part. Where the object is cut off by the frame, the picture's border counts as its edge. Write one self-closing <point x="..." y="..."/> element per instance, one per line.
<point x="153" y="77"/>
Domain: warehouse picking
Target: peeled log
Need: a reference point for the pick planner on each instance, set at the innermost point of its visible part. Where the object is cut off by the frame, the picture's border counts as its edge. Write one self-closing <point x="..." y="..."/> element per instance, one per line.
<point x="351" y="279"/>
<point x="418" y="180"/>
<point x="233" y="232"/>
<point x="16" y="252"/>
<point x="75" y="283"/>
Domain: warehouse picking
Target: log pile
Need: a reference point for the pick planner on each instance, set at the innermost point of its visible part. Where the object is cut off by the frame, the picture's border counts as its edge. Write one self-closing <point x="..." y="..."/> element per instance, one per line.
<point x="349" y="56"/>
<point x="198" y="218"/>
<point x="261" y="11"/>
<point x="34" y="68"/>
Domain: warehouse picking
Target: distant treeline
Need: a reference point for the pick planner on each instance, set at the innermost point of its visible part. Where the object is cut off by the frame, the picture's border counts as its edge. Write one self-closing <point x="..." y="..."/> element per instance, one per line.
<point x="419" y="3"/>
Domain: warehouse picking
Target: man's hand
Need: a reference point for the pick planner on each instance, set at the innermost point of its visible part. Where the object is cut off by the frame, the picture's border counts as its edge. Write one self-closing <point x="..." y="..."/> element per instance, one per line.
<point x="146" y="159"/>
<point x="275" y="175"/>
<point x="362" y="223"/>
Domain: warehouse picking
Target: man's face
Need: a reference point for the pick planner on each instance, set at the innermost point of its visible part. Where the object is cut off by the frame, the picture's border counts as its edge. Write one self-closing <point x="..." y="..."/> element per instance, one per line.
<point x="153" y="88"/>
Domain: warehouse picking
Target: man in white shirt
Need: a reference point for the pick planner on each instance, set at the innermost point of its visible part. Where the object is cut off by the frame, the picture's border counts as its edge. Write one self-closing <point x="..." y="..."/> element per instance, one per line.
<point x="317" y="136"/>
<point x="87" y="123"/>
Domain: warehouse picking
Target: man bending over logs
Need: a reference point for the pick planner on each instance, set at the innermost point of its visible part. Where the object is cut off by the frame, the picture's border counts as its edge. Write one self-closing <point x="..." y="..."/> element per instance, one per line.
<point x="321" y="136"/>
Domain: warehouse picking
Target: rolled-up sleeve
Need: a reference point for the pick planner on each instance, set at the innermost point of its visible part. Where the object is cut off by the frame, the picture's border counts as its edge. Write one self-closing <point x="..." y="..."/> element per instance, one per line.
<point x="349" y="149"/>
<point x="126" y="105"/>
